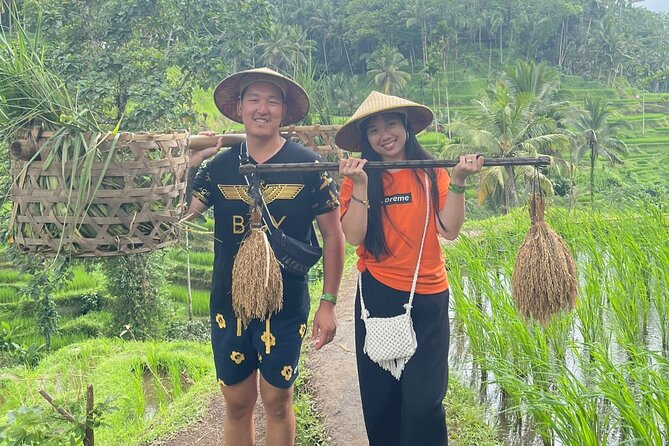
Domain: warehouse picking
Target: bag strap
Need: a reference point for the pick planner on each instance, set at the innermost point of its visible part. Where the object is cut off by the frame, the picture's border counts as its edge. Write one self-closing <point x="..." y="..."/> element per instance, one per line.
<point x="407" y="306"/>
<point x="244" y="158"/>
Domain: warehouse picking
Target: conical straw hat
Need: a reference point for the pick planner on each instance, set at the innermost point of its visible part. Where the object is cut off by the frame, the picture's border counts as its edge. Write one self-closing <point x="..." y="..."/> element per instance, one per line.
<point x="348" y="137"/>
<point x="227" y="93"/>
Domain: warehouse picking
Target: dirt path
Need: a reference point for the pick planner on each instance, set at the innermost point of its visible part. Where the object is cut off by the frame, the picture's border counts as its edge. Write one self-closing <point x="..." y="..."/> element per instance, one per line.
<point x="208" y="431"/>
<point x="333" y="376"/>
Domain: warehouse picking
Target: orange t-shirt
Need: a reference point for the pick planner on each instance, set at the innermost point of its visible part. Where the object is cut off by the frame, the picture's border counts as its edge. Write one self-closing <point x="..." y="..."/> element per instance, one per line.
<point x="405" y="201"/>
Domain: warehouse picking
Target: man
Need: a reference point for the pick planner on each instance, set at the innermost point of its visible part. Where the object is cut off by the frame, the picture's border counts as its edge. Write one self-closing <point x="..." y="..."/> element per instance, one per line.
<point x="263" y="101"/>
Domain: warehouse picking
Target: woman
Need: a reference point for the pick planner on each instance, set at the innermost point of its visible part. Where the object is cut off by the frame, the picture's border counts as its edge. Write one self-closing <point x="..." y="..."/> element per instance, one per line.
<point x="386" y="214"/>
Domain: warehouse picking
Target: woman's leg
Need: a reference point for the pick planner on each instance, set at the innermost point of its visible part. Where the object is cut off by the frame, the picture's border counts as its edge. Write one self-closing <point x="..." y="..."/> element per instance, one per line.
<point x="379" y="391"/>
<point x="425" y="377"/>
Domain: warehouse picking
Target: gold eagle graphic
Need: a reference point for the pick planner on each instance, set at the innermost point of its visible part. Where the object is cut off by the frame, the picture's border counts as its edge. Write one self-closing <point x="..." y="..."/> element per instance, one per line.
<point x="270" y="192"/>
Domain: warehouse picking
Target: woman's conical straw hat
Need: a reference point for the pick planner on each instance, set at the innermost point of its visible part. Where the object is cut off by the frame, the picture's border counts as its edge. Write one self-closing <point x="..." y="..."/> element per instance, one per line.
<point x="348" y="137"/>
<point x="228" y="92"/>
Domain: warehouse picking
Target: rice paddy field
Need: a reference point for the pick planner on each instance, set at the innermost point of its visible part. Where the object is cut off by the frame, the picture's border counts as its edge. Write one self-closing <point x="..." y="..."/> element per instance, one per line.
<point x="595" y="376"/>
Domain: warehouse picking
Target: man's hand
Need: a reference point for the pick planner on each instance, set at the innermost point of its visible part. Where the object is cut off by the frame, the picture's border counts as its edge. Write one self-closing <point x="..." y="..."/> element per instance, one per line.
<point x="196" y="157"/>
<point x="325" y="324"/>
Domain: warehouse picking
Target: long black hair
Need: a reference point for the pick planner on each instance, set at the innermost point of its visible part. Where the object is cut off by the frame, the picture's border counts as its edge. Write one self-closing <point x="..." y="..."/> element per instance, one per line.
<point x="375" y="240"/>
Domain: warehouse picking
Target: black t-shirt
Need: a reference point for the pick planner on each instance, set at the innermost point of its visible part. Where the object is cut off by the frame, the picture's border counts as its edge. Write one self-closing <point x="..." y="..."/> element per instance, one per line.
<point x="293" y="199"/>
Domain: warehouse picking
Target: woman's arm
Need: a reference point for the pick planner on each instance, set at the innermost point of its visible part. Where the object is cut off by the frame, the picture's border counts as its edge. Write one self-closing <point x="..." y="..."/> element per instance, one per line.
<point x="354" y="222"/>
<point x="452" y="214"/>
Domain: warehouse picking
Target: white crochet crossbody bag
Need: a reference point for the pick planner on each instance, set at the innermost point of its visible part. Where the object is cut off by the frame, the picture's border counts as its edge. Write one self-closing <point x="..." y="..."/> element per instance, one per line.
<point x="391" y="341"/>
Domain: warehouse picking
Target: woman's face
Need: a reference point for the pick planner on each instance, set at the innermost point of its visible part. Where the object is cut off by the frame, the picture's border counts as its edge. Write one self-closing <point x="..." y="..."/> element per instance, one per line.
<point x="387" y="135"/>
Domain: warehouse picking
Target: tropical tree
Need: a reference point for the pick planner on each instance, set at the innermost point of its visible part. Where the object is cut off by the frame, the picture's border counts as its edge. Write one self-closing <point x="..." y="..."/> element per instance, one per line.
<point x="386" y="66"/>
<point x="275" y="49"/>
<point x="345" y="91"/>
<point x="507" y="125"/>
<point x="596" y="136"/>
<point x="418" y="13"/>
<point x="300" y="45"/>
<point x="141" y="61"/>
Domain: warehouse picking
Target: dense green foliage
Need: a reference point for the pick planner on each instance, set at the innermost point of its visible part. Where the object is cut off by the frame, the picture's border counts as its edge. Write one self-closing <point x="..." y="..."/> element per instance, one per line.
<point x="134" y="282"/>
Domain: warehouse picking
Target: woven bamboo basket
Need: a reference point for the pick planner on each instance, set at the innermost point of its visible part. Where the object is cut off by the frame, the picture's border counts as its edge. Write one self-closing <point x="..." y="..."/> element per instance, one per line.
<point x="319" y="138"/>
<point x="140" y="197"/>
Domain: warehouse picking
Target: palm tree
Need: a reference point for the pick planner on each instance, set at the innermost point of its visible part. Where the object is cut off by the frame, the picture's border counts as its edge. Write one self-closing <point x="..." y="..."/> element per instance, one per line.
<point x="419" y="12"/>
<point x="345" y="91"/>
<point x="386" y="67"/>
<point x="275" y="48"/>
<point x="596" y="137"/>
<point x="507" y="125"/>
<point x="300" y="46"/>
<point x="286" y="47"/>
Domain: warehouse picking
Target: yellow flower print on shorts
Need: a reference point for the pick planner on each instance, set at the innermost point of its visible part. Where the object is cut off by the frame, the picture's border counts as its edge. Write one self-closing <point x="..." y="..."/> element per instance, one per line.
<point x="303" y="330"/>
<point x="287" y="372"/>
<point x="220" y="320"/>
<point x="237" y="357"/>
<point x="221" y="383"/>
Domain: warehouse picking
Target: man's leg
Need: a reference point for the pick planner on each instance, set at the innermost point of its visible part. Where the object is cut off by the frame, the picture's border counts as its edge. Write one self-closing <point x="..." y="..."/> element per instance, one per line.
<point x="278" y="404"/>
<point x="240" y="400"/>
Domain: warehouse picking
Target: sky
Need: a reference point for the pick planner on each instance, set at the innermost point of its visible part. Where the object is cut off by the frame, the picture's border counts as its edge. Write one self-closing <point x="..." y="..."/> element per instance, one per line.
<point x="656" y="5"/>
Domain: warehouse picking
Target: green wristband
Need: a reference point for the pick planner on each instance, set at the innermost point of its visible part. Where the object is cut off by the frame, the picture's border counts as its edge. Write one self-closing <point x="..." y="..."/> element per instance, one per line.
<point x="329" y="297"/>
<point x="456" y="188"/>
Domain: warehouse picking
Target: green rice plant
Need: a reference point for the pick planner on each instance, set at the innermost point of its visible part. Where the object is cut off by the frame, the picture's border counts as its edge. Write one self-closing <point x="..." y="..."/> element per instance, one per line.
<point x="659" y="284"/>
<point x="114" y="368"/>
<point x="10" y="276"/>
<point x="653" y="384"/>
<point x="637" y="422"/>
<point x="81" y="280"/>
<point x="200" y="298"/>
<point x="629" y="307"/>
<point x="9" y="294"/>
<point x="574" y="418"/>
<point x="196" y="257"/>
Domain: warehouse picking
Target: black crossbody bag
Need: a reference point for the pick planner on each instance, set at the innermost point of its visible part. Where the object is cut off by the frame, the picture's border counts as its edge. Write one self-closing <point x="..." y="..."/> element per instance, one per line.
<point x="295" y="256"/>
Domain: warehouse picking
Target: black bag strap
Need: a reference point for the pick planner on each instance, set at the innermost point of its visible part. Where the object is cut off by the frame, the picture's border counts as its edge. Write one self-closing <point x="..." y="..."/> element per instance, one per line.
<point x="244" y="158"/>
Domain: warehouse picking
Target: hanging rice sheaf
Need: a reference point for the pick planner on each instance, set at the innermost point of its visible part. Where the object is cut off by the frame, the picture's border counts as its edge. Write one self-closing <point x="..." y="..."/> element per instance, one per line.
<point x="257" y="287"/>
<point x="544" y="280"/>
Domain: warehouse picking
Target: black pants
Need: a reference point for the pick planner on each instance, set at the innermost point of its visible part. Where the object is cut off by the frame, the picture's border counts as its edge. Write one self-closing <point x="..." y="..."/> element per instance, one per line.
<point x="408" y="412"/>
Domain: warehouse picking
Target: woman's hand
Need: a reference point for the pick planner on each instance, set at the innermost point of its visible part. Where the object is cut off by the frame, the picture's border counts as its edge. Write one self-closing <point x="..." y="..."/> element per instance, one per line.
<point x="353" y="169"/>
<point x="468" y="165"/>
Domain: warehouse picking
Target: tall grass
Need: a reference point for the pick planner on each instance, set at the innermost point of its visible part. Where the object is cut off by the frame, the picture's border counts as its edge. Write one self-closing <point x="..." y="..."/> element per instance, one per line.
<point x="590" y="377"/>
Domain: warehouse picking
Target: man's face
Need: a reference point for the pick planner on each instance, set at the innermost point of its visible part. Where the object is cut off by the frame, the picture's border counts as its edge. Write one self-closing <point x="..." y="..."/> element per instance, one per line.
<point x="261" y="109"/>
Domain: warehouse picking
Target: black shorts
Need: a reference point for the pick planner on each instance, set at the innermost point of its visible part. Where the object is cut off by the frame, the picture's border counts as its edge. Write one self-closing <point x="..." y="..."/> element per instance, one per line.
<point x="272" y="346"/>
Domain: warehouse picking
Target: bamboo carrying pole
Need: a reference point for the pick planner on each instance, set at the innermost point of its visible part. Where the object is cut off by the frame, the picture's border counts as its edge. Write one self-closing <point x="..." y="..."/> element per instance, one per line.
<point x="199" y="142"/>
<point x="246" y="169"/>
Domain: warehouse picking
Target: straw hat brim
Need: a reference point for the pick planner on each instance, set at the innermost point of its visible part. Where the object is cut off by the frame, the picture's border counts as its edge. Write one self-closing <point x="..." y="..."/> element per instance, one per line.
<point x="349" y="137"/>
<point x="227" y="93"/>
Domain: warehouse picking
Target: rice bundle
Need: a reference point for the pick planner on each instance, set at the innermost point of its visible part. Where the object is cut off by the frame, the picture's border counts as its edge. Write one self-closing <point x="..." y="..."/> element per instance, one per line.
<point x="257" y="287"/>
<point x="544" y="280"/>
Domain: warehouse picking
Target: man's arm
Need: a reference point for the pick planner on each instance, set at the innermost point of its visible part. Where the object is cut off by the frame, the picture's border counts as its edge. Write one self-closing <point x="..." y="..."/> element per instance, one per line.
<point x="325" y="319"/>
<point x="196" y="207"/>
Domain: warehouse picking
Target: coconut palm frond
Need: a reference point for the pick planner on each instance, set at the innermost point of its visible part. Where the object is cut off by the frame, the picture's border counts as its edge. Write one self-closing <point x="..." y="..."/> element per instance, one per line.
<point x="492" y="183"/>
